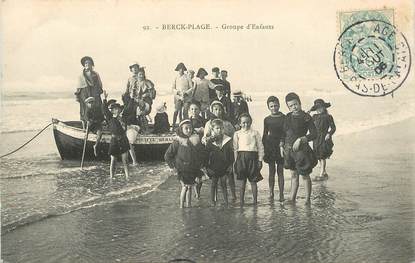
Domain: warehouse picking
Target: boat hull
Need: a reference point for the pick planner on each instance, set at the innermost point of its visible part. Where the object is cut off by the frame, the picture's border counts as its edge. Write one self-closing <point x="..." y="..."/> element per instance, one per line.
<point x="69" y="138"/>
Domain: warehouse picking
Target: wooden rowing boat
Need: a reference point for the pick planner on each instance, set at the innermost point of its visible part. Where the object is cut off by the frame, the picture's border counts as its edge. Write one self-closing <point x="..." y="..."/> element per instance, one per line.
<point x="69" y="138"/>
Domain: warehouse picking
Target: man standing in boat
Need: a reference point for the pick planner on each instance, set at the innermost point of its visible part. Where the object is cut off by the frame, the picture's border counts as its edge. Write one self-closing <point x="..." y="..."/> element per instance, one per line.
<point x="182" y="90"/>
<point x="90" y="85"/>
<point x="226" y="83"/>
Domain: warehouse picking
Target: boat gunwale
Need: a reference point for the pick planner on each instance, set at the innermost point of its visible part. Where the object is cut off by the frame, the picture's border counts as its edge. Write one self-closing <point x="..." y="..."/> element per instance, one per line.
<point x="106" y="136"/>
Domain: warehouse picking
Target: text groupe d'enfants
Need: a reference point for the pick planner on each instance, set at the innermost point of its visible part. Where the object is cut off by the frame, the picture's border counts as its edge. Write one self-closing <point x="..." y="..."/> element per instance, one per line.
<point x="209" y="26"/>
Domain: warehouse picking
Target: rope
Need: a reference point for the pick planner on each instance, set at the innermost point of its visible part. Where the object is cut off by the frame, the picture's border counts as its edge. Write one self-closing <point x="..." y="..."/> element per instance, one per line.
<point x="26" y="142"/>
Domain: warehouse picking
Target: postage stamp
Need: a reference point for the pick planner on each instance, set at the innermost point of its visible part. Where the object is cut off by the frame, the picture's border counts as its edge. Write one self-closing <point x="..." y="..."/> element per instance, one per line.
<point x="372" y="58"/>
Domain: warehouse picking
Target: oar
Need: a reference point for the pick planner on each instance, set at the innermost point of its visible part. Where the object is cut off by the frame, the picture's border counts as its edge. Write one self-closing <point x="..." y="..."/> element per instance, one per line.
<point x="85" y="141"/>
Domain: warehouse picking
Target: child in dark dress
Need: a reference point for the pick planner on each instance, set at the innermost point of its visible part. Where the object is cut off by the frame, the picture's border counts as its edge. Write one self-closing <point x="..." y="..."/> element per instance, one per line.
<point x="161" y="120"/>
<point x="249" y="154"/>
<point x="94" y="119"/>
<point x="323" y="144"/>
<point x="221" y="158"/>
<point x="299" y="158"/>
<point x="119" y="144"/>
<point x="273" y="140"/>
<point x="186" y="155"/>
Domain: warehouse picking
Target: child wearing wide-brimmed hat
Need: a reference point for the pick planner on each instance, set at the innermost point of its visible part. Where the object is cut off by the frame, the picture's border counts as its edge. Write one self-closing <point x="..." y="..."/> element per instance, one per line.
<point x="249" y="154"/>
<point x="89" y="85"/>
<point x="323" y="143"/>
<point x="119" y="144"/>
<point x="273" y="140"/>
<point x="186" y="155"/>
<point x="299" y="158"/>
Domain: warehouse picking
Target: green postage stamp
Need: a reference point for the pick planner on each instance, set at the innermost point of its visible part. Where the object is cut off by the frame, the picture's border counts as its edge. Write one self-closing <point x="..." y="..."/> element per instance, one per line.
<point x="372" y="58"/>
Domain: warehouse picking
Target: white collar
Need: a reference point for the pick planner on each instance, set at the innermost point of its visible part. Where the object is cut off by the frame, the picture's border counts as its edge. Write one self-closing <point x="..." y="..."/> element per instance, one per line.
<point x="225" y="139"/>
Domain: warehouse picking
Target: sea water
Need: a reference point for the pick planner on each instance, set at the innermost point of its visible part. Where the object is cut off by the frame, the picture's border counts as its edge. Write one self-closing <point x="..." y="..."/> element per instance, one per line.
<point x="349" y="220"/>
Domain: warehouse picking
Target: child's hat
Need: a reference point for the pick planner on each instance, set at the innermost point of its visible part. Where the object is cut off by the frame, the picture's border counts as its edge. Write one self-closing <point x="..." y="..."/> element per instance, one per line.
<point x="134" y="64"/>
<point x="318" y="103"/>
<point x="114" y="105"/>
<point x="215" y="102"/>
<point x="219" y="87"/>
<point x="180" y="66"/>
<point x="161" y="108"/>
<point x="237" y="93"/>
<point x="111" y="101"/>
<point x="84" y="59"/>
<point x="201" y="72"/>
<point x="183" y="122"/>
<point x="89" y="99"/>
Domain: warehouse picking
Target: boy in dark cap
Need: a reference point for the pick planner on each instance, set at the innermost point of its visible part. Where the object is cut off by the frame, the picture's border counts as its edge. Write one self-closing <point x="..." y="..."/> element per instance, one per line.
<point x="239" y="106"/>
<point x="226" y="84"/>
<point x="226" y="102"/>
<point x="298" y="156"/>
<point x="216" y="81"/>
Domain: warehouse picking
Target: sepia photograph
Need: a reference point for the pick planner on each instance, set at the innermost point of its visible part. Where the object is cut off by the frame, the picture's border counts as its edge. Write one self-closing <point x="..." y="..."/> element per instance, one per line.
<point x="207" y="131"/>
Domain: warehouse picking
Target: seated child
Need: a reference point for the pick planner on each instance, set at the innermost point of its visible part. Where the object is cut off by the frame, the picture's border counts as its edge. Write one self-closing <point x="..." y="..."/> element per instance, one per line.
<point x="119" y="142"/>
<point x="221" y="158"/>
<point x="273" y="140"/>
<point x="323" y="144"/>
<point x="142" y="111"/>
<point x="94" y="119"/>
<point x="186" y="155"/>
<point x="249" y="153"/>
<point x="161" y="120"/>
<point x="298" y="155"/>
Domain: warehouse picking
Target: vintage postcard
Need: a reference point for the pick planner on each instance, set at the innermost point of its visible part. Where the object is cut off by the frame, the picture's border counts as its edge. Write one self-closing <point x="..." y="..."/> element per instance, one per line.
<point x="207" y="131"/>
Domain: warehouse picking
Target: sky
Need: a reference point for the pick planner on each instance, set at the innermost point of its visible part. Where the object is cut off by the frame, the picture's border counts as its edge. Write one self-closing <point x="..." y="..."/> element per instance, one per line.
<point x="42" y="42"/>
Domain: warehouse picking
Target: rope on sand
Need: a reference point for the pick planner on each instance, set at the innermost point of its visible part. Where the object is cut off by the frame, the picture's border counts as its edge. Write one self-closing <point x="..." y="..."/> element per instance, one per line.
<point x="27" y="141"/>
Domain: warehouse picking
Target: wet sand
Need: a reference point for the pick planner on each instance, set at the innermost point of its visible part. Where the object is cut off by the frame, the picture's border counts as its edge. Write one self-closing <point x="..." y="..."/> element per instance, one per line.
<point x="363" y="213"/>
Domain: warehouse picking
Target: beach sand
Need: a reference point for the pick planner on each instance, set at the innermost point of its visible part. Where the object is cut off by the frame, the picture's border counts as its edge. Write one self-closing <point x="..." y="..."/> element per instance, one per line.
<point x="363" y="213"/>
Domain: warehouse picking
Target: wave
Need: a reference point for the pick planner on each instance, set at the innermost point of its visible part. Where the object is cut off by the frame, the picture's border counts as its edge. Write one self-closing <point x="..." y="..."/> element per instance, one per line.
<point x="350" y="127"/>
<point x="100" y="200"/>
<point x="49" y="172"/>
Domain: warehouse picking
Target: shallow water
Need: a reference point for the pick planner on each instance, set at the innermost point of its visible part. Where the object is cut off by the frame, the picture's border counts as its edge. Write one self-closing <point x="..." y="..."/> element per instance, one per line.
<point x="52" y="211"/>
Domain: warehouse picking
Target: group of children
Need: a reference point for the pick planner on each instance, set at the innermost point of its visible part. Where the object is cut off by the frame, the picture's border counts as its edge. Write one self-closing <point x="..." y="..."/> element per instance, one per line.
<point x="187" y="88"/>
<point x="124" y="122"/>
<point x="222" y="149"/>
<point x="214" y="136"/>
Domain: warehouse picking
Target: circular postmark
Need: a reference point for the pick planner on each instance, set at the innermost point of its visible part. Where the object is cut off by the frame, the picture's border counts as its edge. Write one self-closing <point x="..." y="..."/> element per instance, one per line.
<point x="372" y="58"/>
